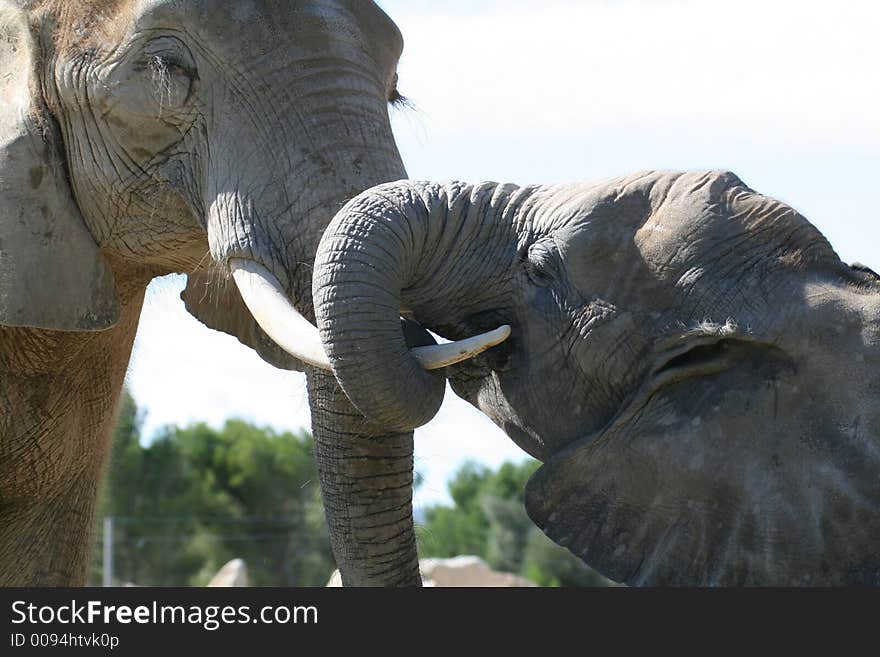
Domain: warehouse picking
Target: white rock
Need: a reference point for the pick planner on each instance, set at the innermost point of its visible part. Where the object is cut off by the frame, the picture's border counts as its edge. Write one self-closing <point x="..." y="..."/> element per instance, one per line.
<point x="233" y="573"/>
<point x="458" y="571"/>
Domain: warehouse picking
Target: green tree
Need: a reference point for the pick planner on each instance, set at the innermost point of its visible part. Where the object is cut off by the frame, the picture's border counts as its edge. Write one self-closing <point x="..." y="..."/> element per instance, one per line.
<point x="548" y="564"/>
<point x="196" y="497"/>
<point x="488" y="520"/>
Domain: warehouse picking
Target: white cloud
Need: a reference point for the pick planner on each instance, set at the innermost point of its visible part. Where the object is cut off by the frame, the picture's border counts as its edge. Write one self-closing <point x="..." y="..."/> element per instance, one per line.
<point x="783" y="71"/>
<point x="785" y="93"/>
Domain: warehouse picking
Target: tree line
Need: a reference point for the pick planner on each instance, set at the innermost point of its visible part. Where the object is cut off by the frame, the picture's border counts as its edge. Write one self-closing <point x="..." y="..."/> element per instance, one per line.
<point x="194" y="497"/>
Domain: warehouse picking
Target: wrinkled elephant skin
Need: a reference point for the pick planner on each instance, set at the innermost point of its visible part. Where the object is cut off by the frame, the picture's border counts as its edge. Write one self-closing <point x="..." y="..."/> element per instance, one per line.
<point x="691" y="360"/>
<point x="145" y="137"/>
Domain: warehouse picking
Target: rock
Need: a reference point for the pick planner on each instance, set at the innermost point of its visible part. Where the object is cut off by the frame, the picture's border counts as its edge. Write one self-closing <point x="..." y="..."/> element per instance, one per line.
<point x="233" y="573"/>
<point x="468" y="571"/>
<point x="458" y="571"/>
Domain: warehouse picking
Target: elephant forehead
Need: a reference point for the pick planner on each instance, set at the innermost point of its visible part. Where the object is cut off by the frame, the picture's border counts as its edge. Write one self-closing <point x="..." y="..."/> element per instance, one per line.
<point x="702" y="243"/>
<point x="86" y="21"/>
<point x="599" y="239"/>
<point x="241" y="13"/>
<point x="267" y="23"/>
<point x="714" y="222"/>
<point x="245" y="27"/>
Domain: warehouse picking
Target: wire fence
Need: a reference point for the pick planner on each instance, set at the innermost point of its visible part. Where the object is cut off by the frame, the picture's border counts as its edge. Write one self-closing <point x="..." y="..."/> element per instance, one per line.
<point x="132" y="545"/>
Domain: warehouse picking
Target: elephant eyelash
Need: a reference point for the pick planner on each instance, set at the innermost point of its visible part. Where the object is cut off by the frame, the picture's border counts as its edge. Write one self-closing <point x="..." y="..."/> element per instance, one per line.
<point x="163" y="67"/>
<point x="160" y="71"/>
<point x="164" y="70"/>
<point x="399" y="101"/>
<point x="866" y="278"/>
<point x="395" y="98"/>
<point x="863" y="269"/>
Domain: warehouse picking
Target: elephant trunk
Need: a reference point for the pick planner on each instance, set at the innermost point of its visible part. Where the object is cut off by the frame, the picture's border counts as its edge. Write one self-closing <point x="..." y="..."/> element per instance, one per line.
<point x="436" y="250"/>
<point x="366" y="477"/>
<point x="271" y="196"/>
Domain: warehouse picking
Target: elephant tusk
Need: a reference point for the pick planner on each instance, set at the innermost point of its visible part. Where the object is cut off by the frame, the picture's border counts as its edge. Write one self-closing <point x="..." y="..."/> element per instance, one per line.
<point x="441" y="355"/>
<point x="276" y="315"/>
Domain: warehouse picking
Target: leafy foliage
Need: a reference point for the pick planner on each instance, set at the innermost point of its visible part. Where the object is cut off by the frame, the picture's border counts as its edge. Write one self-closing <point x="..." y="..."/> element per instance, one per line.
<point x="195" y="498"/>
<point x="489" y="520"/>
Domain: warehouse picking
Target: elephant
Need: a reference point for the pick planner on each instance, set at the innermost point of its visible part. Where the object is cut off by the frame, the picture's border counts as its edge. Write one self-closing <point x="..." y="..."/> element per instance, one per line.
<point x="208" y="137"/>
<point x="690" y="360"/>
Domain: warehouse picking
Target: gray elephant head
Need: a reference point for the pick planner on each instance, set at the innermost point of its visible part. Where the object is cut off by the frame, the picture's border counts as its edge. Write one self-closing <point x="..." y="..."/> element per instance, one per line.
<point x="695" y="366"/>
<point x="145" y="137"/>
<point x="163" y="135"/>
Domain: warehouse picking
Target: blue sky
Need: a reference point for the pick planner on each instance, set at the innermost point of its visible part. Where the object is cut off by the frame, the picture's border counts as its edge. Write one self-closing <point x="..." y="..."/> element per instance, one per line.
<point x="784" y="93"/>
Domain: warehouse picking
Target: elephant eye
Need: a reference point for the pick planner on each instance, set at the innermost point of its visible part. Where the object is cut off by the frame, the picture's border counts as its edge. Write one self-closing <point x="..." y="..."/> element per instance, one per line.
<point x="542" y="262"/>
<point x="171" y="70"/>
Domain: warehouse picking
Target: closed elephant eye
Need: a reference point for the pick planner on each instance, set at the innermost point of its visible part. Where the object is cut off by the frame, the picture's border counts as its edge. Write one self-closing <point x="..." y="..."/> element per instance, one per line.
<point x="541" y="262"/>
<point x="171" y="70"/>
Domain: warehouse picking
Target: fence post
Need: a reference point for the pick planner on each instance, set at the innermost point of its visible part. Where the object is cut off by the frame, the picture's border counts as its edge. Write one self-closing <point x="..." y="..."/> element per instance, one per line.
<point x="108" y="551"/>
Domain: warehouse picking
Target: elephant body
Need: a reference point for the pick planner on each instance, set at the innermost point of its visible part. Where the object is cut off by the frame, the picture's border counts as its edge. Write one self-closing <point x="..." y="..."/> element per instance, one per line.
<point x="58" y="397"/>
<point x="145" y="137"/>
<point x="690" y="359"/>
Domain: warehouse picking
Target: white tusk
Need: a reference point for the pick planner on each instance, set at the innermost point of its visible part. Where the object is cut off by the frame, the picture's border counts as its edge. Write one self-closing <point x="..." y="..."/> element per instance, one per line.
<point x="276" y="315"/>
<point x="441" y="355"/>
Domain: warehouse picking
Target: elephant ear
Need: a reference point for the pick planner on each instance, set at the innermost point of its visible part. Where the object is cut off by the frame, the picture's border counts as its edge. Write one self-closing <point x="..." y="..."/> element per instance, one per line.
<point x="214" y="300"/>
<point x="52" y="274"/>
<point x="739" y="476"/>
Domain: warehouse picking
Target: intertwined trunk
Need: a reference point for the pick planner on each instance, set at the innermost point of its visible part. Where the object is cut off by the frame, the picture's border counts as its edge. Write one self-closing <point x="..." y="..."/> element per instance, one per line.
<point x="367" y="483"/>
<point x="275" y="214"/>
<point x="444" y="252"/>
<point x="380" y="253"/>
